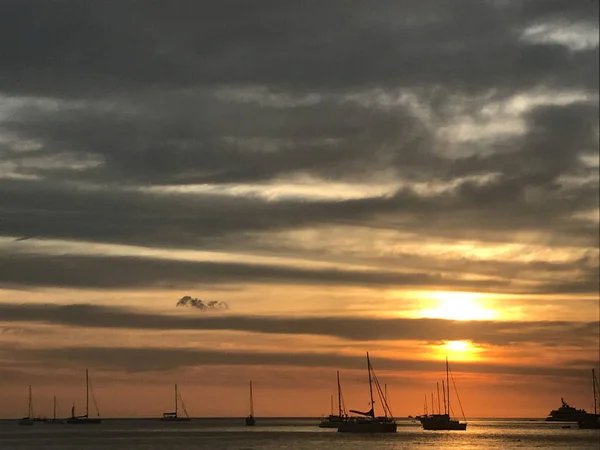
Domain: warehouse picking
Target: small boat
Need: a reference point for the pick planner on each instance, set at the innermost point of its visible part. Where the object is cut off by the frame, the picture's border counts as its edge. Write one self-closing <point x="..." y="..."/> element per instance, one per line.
<point x="592" y="422"/>
<point x="85" y="419"/>
<point x="54" y="420"/>
<point x="250" y="421"/>
<point x="174" y="416"/>
<point x="29" y="419"/>
<point x="334" y="420"/>
<point x="368" y="422"/>
<point x="443" y="422"/>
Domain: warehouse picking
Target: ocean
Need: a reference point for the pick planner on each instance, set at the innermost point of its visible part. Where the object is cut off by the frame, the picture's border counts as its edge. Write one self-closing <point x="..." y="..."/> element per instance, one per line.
<point x="293" y="434"/>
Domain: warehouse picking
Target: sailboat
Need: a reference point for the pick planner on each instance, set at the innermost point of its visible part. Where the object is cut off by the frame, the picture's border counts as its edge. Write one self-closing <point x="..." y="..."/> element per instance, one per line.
<point x="368" y="422"/>
<point x="29" y="419"/>
<point x="250" y="421"/>
<point x="85" y="419"/>
<point x="334" y="420"/>
<point x="440" y="422"/>
<point x="174" y="416"/>
<point x="593" y="420"/>
<point x="54" y="419"/>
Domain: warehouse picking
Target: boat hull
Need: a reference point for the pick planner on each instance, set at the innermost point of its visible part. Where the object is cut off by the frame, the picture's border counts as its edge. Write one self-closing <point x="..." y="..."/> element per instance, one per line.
<point x="367" y="427"/>
<point x="83" y="421"/>
<point x="175" y="419"/>
<point x="26" y="421"/>
<point x="441" y="423"/>
<point x="250" y="422"/>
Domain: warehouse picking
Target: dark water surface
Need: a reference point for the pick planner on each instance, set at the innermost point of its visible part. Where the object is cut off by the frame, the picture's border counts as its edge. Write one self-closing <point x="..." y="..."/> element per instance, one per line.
<point x="300" y="434"/>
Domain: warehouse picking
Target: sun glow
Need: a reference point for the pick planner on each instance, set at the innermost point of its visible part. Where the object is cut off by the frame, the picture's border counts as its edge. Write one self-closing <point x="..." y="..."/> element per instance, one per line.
<point x="456" y="306"/>
<point x="459" y="350"/>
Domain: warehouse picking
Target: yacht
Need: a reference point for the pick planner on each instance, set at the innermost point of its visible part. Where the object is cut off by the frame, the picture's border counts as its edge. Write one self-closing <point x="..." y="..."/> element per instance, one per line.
<point x="368" y="422"/>
<point x="567" y="413"/>
<point x="439" y="422"/>
<point x="85" y="419"/>
<point x="334" y="420"/>
<point x="593" y="420"/>
<point x="174" y="416"/>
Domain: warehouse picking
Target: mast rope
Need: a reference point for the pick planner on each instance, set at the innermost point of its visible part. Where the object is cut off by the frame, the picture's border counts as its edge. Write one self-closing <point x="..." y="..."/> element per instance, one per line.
<point x="182" y="403"/>
<point x="456" y="390"/>
<point x="94" y="398"/>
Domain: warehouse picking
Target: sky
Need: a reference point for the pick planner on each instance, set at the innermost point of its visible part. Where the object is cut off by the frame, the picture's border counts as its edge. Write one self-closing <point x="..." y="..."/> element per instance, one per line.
<point x="207" y="193"/>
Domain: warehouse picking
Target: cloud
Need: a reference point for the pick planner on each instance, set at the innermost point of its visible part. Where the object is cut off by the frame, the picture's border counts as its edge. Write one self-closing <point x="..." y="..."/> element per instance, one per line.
<point x="551" y="333"/>
<point x="196" y="303"/>
<point x="157" y="359"/>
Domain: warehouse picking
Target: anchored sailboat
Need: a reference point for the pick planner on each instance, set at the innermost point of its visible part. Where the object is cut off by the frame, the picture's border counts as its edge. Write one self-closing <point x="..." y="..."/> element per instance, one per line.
<point x="592" y="421"/>
<point x="29" y="419"/>
<point x="443" y="421"/>
<point x="85" y="419"/>
<point x="250" y="421"/>
<point x="334" y="420"/>
<point x="368" y="422"/>
<point x="54" y="419"/>
<point x="174" y="416"/>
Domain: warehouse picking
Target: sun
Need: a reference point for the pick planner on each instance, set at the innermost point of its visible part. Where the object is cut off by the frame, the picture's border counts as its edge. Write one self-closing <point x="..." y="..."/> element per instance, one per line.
<point x="452" y="305"/>
<point x="458" y="351"/>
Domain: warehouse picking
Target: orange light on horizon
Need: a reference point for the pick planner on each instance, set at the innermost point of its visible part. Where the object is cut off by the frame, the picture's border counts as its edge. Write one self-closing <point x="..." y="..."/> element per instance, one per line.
<point x="452" y="305"/>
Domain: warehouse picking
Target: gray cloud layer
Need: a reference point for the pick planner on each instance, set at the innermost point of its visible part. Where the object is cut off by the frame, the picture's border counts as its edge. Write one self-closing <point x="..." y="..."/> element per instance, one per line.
<point x="126" y="97"/>
<point x="551" y="333"/>
<point x="156" y="359"/>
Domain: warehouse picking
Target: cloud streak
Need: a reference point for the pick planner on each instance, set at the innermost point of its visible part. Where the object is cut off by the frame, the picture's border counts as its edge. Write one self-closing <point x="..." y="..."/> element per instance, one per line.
<point x="549" y="333"/>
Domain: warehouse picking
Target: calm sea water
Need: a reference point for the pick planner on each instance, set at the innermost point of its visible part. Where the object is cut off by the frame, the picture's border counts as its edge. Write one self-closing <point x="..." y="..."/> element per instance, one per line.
<point x="293" y="434"/>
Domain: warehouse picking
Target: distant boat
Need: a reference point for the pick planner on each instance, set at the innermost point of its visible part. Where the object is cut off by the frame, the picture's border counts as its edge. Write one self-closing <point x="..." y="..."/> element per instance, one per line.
<point x="439" y="422"/>
<point x="29" y="419"/>
<point x="593" y="421"/>
<point x="85" y="419"/>
<point x="368" y="422"/>
<point x="567" y="413"/>
<point x="334" y="420"/>
<point x="174" y="416"/>
<point x="250" y="421"/>
<point x="54" y="419"/>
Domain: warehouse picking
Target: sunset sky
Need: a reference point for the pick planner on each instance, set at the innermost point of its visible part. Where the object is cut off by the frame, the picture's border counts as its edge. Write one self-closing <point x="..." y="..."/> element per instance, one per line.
<point x="413" y="178"/>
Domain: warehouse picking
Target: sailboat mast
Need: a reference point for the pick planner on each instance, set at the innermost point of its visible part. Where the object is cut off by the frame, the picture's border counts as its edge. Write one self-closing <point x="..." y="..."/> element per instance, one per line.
<point x="444" y="396"/>
<point x="438" y="397"/>
<point x="251" y="400"/>
<point x="30" y="406"/>
<point x="370" y="385"/>
<point x="54" y="409"/>
<point x="448" y="385"/>
<point x="339" y="393"/>
<point x="432" y="405"/>
<point x="595" y="393"/>
<point x="87" y="394"/>
<point x="176" y="406"/>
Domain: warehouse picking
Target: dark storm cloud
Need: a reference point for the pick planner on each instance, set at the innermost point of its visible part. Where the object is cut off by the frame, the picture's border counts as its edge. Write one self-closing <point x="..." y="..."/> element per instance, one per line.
<point x="120" y="272"/>
<point x="156" y="359"/>
<point x="98" y="96"/>
<point x="71" y="47"/>
<point x="551" y="333"/>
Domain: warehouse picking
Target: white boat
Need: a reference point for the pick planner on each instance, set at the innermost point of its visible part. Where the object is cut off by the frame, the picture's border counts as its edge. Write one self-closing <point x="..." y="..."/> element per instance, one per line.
<point x="250" y="421"/>
<point x="174" y="416"/>
<point x="369" y="422"/>
<point x="29" y="419"/>
<point x="334" y="420"/>
<point x="439" y="422"/>
<point x="85" y="419"/>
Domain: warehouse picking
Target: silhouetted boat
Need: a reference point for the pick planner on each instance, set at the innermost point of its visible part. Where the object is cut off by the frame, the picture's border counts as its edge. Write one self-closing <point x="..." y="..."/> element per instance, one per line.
<point x="334" y="420"/>
<point x="54" y="420"/>
<point x="85" y="419"/>
<point x="567" y="413"/>
<point x="29" y="419"/>
<point x="250" y="421"/>
<point x="593" y="420"/>
<point x="368" y="422"/>
<point x="439" y="422"/>
<point x="174" y="416"/>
